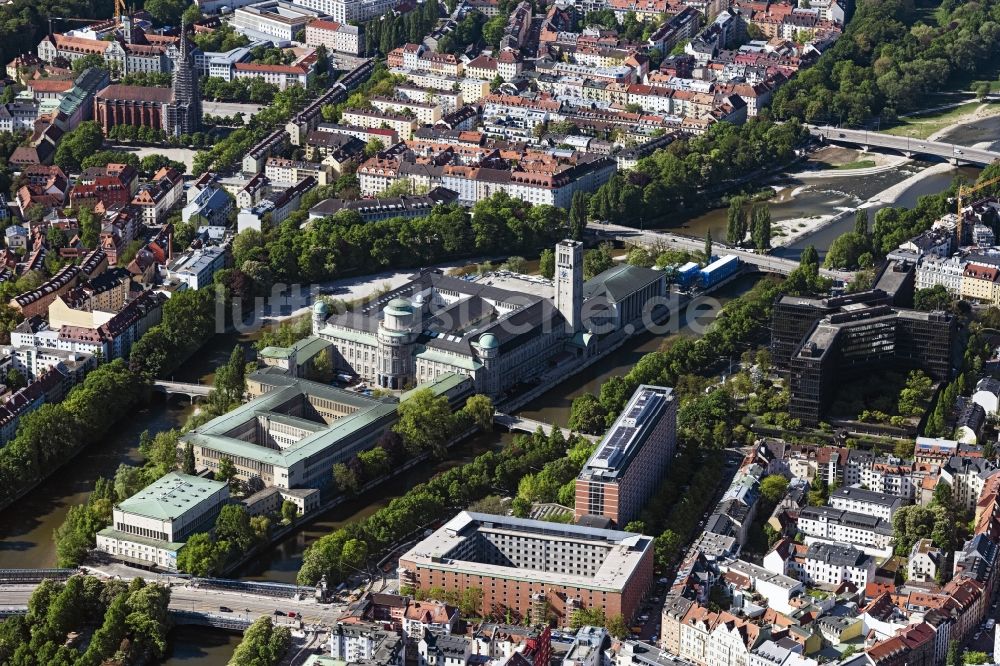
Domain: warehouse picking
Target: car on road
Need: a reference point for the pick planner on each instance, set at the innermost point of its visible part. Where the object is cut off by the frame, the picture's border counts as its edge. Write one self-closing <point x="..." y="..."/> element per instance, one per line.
<point x="292" y="614"/>
<point x="225" y="609"/>
<point x="278" y="612"/>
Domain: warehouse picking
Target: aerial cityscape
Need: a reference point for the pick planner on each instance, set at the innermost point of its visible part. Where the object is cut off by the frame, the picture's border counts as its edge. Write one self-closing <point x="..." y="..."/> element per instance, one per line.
<point x="500" y="333"/>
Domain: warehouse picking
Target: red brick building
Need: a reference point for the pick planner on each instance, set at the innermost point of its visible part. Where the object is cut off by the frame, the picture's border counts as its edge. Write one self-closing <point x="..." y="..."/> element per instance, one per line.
<point x="141" y="106"/>
<point x="531" y="567"/>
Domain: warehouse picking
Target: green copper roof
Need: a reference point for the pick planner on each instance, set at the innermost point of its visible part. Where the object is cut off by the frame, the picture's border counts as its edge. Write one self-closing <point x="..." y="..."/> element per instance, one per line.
<point x="171" y="496"/>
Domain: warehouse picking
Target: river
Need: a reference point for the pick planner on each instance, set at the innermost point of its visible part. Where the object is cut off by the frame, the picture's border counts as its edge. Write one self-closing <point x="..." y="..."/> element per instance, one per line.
<point x="805" y="198"/>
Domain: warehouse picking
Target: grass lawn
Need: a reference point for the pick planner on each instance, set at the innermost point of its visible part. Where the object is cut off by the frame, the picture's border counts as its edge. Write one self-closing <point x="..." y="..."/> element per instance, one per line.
<point x="857" y="164"/>
<point x="922" y="126"/>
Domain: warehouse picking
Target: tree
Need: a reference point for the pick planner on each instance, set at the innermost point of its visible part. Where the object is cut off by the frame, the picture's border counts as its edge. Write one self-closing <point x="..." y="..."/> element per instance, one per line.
<point x="493" y="30"/>
<point x="233" y="525"/>
<point x="736" y="225"/>
<point x="819" y="492"/>
<point x="166" y="12"/>
<point x="597" y="261"/>
<point x="617" y="627"/>
<point x="587" y="414"/>
<point x="955" y="655"/>
<point x="345" y="479"/>
<point x="773" y="487"/>
<point x="932" y="298"/>
<point x="263" y="644"/>
<point x="374" y="463"/>
<point x="479" y="410"/>
<point x="809" y="257"/>
<point x="425" y="422"/>
<point x="708" y="245"/>
<point x="202" y="556"/>
<point x="191" y="15"/>
<point x="547" y="264"/>
<point x="354" y="555"/>
<point x="846" y="250"/>
<point x="861" y="222"/>
<point x="227" y="470"/>
<point x="982" y="90"/>
<point x="761" y="226"/>
<point x="578" y="214"/>
<point x="188" y="466"/>
<point x="289" y="511"/>
<point x="373" y="146"/>
<point x="76" y="145"/>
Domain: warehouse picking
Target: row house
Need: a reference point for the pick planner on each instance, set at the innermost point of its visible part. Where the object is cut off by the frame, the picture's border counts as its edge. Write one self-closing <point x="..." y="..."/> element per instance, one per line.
<point x="419" y="57"/>
<point x="967" y="478"/>
<point x="158" y="197"/>
<point x="822" y="523"/>
<point x="472" y="88"/>
<point x="946" y="271"/>
<point x="404" y="126"/>
<point x="426" y="113"/>
<point x="280" y="170"/>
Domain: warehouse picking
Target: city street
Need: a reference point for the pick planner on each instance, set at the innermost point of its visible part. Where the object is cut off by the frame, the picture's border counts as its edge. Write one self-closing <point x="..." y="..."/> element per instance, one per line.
<point x="244" y="605"/>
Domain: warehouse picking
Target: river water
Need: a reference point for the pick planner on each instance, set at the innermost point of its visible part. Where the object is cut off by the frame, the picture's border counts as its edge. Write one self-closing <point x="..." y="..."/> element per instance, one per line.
<point x="805" y="198"/>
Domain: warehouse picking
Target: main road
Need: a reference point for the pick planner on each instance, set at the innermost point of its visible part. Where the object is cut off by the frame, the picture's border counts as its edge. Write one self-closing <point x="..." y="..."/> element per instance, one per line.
<point x="240" y="605"/>
<point x="667" y="240"/>
<point x="906" y="145"/>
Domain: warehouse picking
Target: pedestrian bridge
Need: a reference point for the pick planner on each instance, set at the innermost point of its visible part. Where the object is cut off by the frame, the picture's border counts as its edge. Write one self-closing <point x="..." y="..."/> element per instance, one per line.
<point x="192" y="391"/>
<point x="522" y="424"/>
<point x="909" y="146"/>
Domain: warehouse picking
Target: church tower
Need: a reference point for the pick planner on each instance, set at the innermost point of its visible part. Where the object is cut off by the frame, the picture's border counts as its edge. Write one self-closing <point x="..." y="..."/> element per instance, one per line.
<point x="184" y="111"/>
<point x="569" y="283"/>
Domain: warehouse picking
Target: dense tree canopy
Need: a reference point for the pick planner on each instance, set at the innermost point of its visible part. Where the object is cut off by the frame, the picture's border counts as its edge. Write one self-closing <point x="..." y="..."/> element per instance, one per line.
<point x="887" y="61"/>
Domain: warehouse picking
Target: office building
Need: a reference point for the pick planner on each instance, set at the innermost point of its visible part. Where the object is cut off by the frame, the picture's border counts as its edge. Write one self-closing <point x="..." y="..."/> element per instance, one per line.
<point x="150" y="527"/>
<point x="532" y="567"/>
<point x="273" y="20"/>
<point x="292" y="434"/>
<point x="862" y="339"/>
<point x="628" y="464"/>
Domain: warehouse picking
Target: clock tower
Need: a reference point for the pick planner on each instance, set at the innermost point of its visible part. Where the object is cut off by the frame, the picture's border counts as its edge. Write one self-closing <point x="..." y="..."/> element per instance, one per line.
<point x="569" y="283"/>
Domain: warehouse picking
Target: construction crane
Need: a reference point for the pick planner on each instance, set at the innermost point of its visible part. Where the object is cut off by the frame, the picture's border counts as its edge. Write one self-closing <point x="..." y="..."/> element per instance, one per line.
<point x="963" y="191"/>
<point x="119" y="10"/>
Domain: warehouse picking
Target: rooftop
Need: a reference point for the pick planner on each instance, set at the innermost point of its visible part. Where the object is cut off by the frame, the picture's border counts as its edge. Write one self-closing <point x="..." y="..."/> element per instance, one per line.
<point x="624" y="550"/>
<point x="171" y="496"/>
<point x="642" y="414"/>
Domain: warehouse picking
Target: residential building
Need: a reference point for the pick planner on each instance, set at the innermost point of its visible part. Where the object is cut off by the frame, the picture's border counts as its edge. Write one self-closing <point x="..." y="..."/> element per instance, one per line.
<point x="361" y="643"/>
<point x="196" y="268"/>
<point x="825" y="524"/>
<point x="625" y="469"/>
<point x="832" y="564"/>
<point x="584" y="567"/>
<point x="967" y="477"/>
<point x="211" y="206"/>
<point x="925" y="562"/>
<point x="150" y="527"/>
<point x="372" y="210"/>
<point x="341" y="37"/>
<point x="860" y="500"/>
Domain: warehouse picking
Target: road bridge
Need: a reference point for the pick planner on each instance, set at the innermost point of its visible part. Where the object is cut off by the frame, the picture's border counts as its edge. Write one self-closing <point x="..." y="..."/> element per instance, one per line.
<point x="522" y="424"/>
<point x="666" y="240"/>
<point x="221" y="603"/>
<point x="192" y="391"/>
<point x="908" y="146"/>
